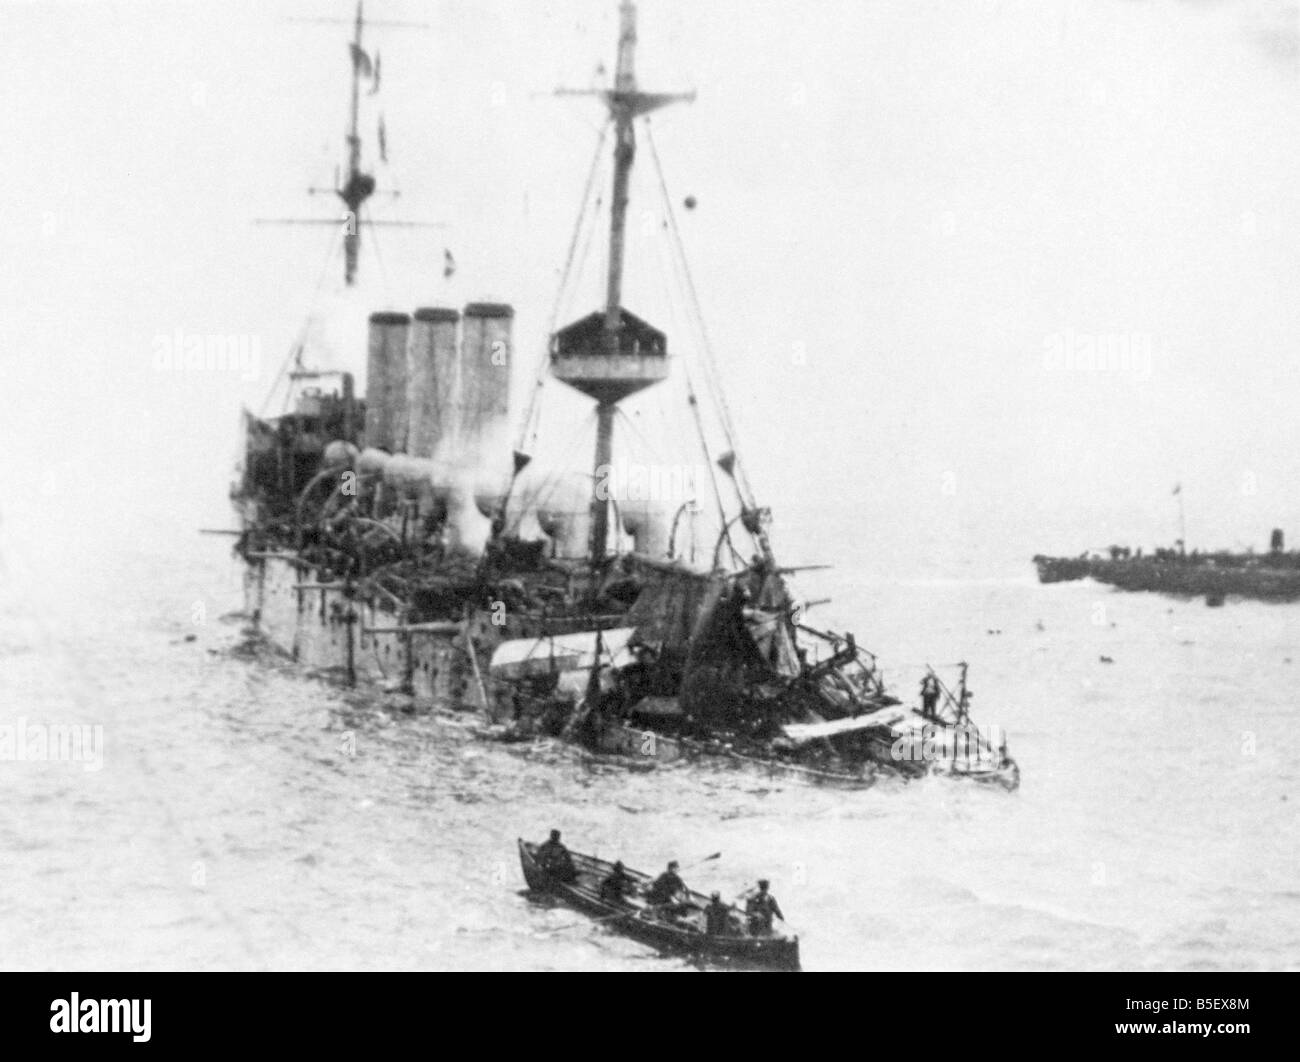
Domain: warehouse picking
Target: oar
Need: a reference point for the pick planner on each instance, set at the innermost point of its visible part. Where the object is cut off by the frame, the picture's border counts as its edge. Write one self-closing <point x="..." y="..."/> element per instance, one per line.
<point x="631" y="912"/>
<point x="691" y="866"/>
<point x="700" y="862"/>
<point x="598" y="921"/>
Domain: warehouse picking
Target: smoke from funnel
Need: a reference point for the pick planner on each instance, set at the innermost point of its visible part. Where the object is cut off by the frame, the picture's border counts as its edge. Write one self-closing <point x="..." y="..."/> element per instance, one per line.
<point x="467" y="531"/>
<point x="472" y="452"/>
<point x="471" y="474"/>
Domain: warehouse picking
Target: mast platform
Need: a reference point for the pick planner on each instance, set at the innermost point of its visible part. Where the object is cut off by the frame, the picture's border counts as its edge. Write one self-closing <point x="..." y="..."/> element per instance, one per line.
<point x="583" y="358"/>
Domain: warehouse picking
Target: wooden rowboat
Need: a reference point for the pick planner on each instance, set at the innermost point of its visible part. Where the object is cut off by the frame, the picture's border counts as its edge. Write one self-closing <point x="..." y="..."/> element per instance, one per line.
<point x="682" y="934"/>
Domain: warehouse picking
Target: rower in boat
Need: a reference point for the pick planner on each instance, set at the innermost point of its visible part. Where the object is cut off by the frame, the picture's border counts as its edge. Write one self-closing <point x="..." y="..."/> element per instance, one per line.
<point x="554" y="858"/>
<point x="762" y="909"/>
<point x="669" y="893"/>
<point x="618" y="886"/>
<point x="717" y="917"/>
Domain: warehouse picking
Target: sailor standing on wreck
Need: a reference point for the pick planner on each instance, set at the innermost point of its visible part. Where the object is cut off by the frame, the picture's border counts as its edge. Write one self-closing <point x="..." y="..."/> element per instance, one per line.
<point x="929" y="696"/>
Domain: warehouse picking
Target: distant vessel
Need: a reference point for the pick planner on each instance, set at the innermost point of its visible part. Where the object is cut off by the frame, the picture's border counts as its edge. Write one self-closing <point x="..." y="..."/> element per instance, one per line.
<point x="401" y="542"/>
<point x="1271" y="576"/>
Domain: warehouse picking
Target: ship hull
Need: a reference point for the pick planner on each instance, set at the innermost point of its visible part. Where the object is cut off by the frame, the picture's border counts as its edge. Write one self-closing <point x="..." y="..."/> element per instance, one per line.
<point x="304" y="624"/>
<point x="330" y="632"/>
<point x="327" y="630"/>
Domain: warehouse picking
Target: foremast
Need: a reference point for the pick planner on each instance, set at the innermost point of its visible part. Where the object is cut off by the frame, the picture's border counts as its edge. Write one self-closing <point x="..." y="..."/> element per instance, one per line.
<point x="359" y="186"/>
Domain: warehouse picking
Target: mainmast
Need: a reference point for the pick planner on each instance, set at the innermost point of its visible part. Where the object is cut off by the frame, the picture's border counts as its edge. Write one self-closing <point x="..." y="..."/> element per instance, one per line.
<point x="621" y="111"/>
<point x="623" y="355"/>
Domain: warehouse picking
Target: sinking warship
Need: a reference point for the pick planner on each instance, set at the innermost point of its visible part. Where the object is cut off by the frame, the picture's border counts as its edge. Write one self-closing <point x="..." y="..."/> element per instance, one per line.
<point x="413" y="541"/>
<point x="1215" y="575"/>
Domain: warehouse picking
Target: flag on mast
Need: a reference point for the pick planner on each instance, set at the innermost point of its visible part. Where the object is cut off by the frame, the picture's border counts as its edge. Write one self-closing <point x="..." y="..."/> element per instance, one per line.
<point x="361" y="61"/>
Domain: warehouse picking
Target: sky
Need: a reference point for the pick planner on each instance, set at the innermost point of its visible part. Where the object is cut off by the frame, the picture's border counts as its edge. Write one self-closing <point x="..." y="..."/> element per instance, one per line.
<point x="917" y="223"/>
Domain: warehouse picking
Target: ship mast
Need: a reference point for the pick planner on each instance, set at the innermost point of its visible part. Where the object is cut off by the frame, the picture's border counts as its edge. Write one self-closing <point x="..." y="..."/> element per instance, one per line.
<point x="624" y="362"/>
<point x="621" y="102"/>
<point x="354" y="135"/>
<point x="359" y="186"/>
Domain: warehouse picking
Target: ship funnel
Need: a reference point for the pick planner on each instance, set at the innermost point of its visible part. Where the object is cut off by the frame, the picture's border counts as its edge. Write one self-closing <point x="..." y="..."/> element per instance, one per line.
<point x="432" y="379"/>
<point x="386" y="412"/>
<point x="486" y="354"/>
<point x="483" y="400"/>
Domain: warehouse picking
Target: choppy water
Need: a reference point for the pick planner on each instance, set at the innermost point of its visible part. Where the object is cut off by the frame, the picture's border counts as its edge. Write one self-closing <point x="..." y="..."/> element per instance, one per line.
<point x="1156" y="827"/>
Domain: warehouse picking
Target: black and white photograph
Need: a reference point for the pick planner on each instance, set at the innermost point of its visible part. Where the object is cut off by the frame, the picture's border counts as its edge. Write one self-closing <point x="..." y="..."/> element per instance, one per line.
<point x="651" y="486"/>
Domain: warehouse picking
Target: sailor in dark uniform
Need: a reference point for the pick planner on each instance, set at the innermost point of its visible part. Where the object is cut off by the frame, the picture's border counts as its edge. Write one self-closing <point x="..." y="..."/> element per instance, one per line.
<point x="717" y="917"/>
<point x="618" y="886"/>
<point x="554" y="858"/>
<point x="668" y="890"/>
<point x="762" y="909"/>
<point x="929" y="696"/>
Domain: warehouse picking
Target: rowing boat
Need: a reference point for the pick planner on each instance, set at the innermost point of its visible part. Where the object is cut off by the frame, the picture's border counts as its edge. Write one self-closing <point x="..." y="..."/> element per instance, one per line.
<point x="679" y="934"/>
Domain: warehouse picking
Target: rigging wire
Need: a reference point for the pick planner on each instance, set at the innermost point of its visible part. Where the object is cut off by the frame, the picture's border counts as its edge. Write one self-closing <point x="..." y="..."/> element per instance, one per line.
<point x="692" y="395"/>
<point x="682" y="264"/>
<point x="713" y="377"/>
<point x="530" y="425"/>
<point x="296" y="349"/>
<point x="634" y="428"/>
<point x="708" y="457"/>
<point x="585" y="253"/>
<point x="379" y="258"/>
